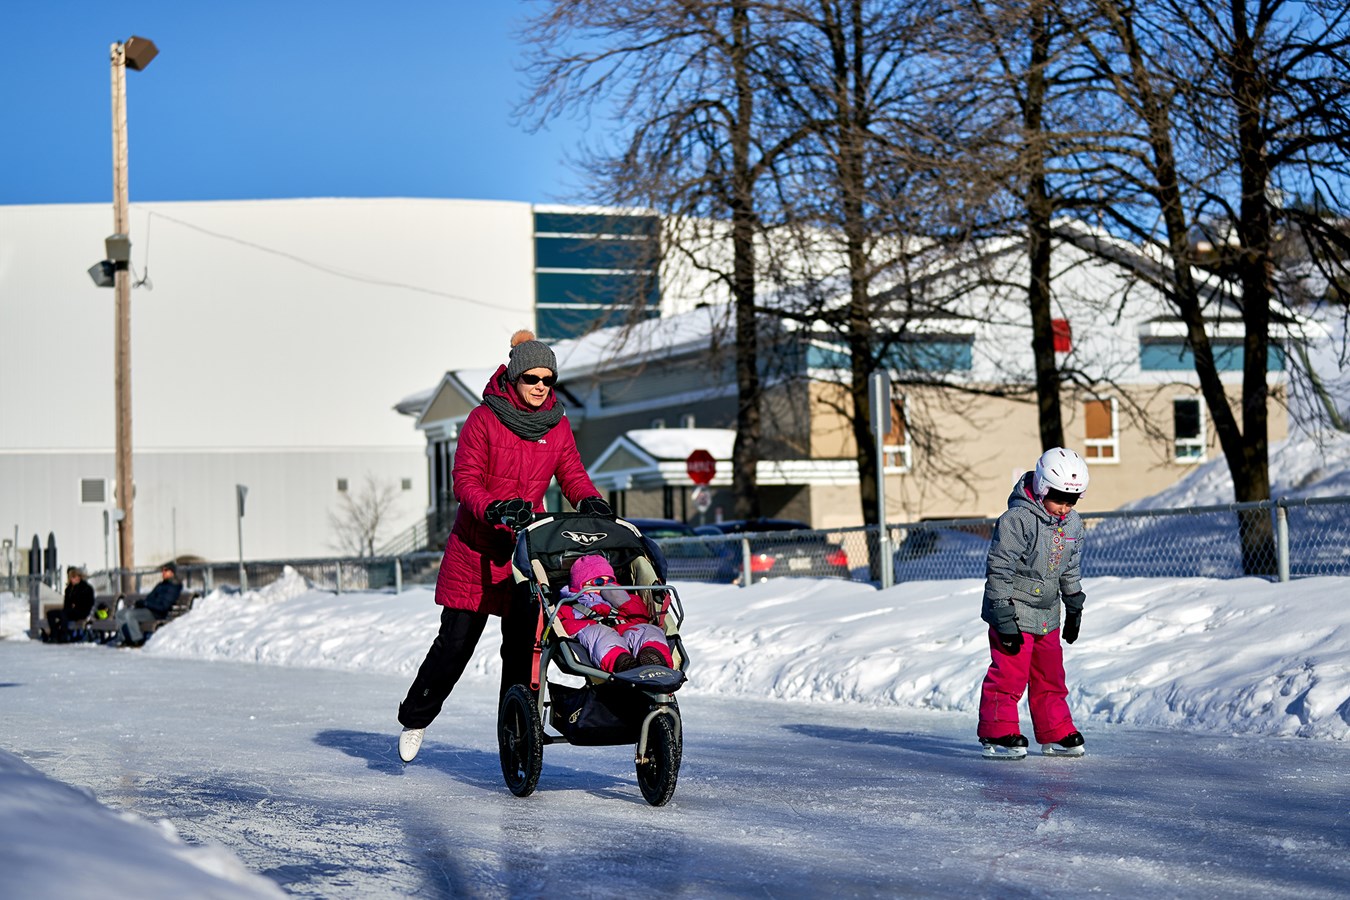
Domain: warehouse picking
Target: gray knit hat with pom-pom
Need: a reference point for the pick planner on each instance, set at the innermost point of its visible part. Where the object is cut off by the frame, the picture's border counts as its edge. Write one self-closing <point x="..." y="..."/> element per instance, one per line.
<point x="528" y="353"/>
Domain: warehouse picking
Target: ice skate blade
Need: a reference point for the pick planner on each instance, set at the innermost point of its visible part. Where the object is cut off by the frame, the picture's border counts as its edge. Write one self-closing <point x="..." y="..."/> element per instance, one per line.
<point x="1005" y="753"/>
<point x="1067" y="752"/>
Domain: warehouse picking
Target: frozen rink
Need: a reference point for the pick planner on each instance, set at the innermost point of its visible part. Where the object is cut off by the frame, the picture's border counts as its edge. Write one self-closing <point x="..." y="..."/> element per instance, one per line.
<point x="262" y="730"/>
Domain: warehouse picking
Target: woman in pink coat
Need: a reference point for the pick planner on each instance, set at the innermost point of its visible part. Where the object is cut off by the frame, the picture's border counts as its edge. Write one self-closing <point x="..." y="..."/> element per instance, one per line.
<point x="510" y="448"/>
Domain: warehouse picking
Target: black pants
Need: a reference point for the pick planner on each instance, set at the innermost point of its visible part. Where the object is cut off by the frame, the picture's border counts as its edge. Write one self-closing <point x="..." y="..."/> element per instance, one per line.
<point x="56" y="626"/>
<point x="453" y="648"/>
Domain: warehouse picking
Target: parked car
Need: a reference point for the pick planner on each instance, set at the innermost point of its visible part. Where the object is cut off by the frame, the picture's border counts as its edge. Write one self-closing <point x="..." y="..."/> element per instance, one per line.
<point x="781" y="548"/>
<point x="688" y="558"/>
<point x="930" y="552"/>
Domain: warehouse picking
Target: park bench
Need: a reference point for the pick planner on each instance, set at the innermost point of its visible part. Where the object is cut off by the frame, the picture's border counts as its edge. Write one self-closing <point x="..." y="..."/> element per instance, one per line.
<point x="103" y="630"/>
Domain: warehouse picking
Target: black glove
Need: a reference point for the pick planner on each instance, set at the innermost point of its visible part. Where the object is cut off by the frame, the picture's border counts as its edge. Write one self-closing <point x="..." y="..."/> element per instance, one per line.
<point x="515" y="513"/>
<point x="1011" y="642"/>
<point x="595" y="506"/>
<point x="1071" y="622"/>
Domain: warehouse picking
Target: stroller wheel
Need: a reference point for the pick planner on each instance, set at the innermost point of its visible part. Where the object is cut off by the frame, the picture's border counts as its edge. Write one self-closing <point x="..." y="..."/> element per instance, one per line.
<point x="657" y="772"/>
<point x="520" y="738"/>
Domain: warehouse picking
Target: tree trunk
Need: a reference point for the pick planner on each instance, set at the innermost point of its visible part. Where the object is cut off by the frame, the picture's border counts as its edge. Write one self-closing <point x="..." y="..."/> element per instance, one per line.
<point x="1040" y="209"/>
<point x="745" y="450"/>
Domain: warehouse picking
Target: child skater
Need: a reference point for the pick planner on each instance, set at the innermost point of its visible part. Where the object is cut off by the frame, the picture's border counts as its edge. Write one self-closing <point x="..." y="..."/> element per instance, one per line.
<point x="632" y="641"/>
<point x="1033" y="564"/>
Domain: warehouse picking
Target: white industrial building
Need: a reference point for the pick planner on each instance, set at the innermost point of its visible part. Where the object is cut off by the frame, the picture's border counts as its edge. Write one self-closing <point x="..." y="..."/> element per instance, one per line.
<point x="269" y="342"/>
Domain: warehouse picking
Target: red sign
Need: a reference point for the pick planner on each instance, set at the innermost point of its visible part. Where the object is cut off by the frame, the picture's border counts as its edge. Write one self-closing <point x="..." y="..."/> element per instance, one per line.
<point x="702" y="466"/>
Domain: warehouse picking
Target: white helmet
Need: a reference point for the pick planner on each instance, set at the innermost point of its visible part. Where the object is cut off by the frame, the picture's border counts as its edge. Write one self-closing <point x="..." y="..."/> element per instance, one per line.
<point x="1062" y="470"/>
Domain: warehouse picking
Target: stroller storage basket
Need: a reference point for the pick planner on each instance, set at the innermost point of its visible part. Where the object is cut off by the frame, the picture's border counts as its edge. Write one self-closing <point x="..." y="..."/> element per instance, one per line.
<point x="596" y="715"/>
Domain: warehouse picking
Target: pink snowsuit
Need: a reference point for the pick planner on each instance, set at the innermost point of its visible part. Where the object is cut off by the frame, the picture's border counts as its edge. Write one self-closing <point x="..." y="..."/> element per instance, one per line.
<point x="1033" y="562"/>
<point x="581" y="615"/>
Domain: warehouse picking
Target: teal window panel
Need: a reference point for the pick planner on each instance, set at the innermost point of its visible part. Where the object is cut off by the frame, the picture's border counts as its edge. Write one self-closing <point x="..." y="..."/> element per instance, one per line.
<point x="946" y="353"/>
<point x="554" y="323"/>
<point x="587" y="223"/>
<point x="1174" y="356"/>
<point x="593" y="253"/>
<point x="605" y="289"/>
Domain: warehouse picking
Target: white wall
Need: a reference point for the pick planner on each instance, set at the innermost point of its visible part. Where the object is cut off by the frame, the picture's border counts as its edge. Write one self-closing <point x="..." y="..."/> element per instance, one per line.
<point x="185" y="501"/>
<point x="276" y="339"/>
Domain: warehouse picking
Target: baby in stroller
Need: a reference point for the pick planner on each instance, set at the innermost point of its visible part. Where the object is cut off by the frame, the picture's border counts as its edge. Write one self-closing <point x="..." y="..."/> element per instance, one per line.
<point x="612" y="624"/>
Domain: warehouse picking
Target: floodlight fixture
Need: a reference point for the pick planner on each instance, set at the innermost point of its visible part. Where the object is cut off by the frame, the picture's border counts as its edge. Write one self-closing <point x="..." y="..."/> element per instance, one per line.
<point x="139" y="51"/>
<point x="118" y="247"/>
<point x="102" y="273"/>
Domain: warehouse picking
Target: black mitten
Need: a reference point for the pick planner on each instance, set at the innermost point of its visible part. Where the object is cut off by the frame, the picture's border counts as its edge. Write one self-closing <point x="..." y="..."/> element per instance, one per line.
<point x="1011" y="642"/>
<point x="493" y="515"/>
<point x="595" y="506"/>
<point x="518" y="513"/>
<point x="1071" y="622"/>
<point x="515" y="513"/>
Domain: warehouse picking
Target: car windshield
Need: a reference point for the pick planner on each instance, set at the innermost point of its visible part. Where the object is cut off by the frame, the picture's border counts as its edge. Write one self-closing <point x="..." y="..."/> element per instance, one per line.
<point x="658" y="532"/>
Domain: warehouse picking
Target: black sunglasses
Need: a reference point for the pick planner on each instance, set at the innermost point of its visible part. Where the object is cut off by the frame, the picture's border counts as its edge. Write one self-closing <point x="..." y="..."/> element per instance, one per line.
<point x="527" y="378"/>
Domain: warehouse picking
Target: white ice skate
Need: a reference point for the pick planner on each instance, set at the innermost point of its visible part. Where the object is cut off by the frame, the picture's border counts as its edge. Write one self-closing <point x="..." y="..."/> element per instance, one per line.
<point x="409" y="742"/>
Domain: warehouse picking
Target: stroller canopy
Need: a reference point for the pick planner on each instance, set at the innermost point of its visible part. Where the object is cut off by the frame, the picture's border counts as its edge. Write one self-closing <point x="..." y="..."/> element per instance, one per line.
<point x="558" y="540"/>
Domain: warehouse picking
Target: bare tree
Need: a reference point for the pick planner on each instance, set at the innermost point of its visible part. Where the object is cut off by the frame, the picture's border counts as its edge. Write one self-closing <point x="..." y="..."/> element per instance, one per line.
<point x="685" y="79"/>
<point x="357" y="521"/>
<point x="1222" y="100"/>
<point x="850" y="190"/>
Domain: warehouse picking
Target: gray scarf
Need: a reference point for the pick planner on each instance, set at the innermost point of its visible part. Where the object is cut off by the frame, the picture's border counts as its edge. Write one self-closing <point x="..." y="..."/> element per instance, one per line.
<point x="530" y="426"/>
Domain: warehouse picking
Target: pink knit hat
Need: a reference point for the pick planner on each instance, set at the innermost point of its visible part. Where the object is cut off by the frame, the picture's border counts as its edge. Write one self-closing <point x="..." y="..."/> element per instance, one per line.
<point x="588" y="567"/>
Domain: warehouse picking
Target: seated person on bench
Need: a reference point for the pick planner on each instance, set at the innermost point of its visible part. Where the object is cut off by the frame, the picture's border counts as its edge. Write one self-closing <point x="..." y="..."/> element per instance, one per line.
<point x="79" y="602"/>
<point x="613" y="625"/>
<point x="155" y="606"/>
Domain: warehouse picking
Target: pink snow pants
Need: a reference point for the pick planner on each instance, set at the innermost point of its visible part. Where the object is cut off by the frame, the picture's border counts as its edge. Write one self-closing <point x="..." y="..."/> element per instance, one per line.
<point x="604" y="644"/>
<point x="1039" y="665"/>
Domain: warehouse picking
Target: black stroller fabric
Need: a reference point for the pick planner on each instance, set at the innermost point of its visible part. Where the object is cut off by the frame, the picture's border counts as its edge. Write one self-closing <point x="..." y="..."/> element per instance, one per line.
<point x="576" y="536"/>
<point x="597" y="715"/>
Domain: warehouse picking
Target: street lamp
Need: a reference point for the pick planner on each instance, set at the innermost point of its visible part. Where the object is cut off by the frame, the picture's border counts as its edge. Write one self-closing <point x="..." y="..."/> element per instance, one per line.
<point x="134" y="54"/>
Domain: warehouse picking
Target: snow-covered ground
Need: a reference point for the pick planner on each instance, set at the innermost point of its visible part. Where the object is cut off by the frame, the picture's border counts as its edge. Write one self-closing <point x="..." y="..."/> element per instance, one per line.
<point x="1237" y="659"/>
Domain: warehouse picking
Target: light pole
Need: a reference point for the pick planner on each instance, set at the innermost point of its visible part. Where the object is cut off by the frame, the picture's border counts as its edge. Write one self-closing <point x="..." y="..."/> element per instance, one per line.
<point x="134" y="54"/>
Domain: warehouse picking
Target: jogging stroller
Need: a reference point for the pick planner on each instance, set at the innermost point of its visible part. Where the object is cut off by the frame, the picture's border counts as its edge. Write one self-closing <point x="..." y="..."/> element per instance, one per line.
<point x="633" y="707"/>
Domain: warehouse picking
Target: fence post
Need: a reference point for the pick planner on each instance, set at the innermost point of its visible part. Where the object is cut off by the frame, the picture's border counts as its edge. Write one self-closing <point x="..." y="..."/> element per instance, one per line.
<point x="398" y="575"/>
<point x="339" y="576"/>
<point x="745" y="562"/>
<point x="1282" y="539"/>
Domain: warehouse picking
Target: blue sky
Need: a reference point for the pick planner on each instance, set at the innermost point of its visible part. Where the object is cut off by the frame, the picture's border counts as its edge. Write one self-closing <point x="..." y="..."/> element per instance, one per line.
<point x="285" y="98"/>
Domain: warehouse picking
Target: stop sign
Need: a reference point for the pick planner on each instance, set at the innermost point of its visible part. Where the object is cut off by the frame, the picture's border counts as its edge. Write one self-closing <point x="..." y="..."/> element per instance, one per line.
<point x="702" y="467"/>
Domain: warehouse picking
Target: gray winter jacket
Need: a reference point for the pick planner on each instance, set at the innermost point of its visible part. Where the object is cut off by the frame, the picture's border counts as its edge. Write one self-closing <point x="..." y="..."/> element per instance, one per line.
<point x="1033" y="560"/>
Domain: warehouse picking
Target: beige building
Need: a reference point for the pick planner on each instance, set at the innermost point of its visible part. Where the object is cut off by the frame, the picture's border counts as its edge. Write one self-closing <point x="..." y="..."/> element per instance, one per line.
<point x="641" y="400"/>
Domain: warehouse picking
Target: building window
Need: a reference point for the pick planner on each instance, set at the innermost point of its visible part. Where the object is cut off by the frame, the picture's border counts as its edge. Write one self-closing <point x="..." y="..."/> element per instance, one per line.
<point x="407" y="484"/>
<point x="94" y="491"/>
<point x="895" y="448"/>
<point x="1175" y="355"/>
<point x="1188" y="429"/>
<point x="1102" y="442"/>
<point x="342" y="485"/>
<point x="594" y="270"/>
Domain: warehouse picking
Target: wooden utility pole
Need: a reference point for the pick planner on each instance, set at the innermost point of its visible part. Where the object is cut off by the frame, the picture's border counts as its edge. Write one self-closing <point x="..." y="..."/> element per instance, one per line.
<point x="126" y="491"/>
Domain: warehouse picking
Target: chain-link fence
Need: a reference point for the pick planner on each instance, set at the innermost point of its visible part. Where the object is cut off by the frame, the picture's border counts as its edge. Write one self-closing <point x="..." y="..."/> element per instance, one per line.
<point x="1275" y="539"/>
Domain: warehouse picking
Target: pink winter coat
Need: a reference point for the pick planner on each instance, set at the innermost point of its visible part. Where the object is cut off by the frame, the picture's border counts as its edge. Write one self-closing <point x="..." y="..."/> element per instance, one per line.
<point x="492" y="463"/>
